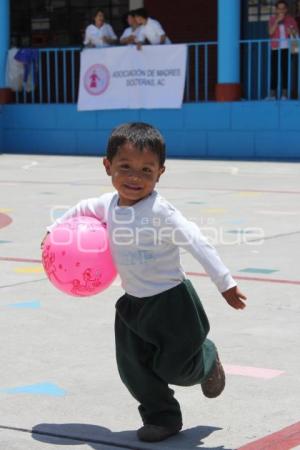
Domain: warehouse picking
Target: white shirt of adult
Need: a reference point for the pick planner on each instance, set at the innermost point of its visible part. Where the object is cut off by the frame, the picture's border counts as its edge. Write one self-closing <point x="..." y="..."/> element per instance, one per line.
<point x="284" y="43"/>
<point x="94" y="35"/>
<point x="152" y="31"/>
<point x="130" y="32"/>
<point x="145" y="240"/>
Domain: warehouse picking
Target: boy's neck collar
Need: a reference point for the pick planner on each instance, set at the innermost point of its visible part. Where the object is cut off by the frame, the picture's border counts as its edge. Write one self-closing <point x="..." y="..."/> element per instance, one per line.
<point x="139" y="202"/>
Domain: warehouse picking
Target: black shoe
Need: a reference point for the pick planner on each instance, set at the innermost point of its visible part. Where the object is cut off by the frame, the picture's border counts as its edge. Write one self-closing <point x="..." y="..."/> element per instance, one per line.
<point x="214" y="385"/>
<point x="156" y="433"/>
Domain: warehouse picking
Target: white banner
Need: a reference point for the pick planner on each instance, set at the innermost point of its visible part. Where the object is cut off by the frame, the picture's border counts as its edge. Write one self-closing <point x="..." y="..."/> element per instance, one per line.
<point x="124" y="77"/>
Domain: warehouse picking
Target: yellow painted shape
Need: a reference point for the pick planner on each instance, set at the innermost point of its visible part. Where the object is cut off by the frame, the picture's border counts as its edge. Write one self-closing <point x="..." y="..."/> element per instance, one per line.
<point x="5" y="210"/>
<point x="31" y="269"/>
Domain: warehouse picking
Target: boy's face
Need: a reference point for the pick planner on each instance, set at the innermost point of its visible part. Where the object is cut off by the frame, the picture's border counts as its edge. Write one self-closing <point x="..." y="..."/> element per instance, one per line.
<point x="140" y="20"/>
<point x="134" y="173"/>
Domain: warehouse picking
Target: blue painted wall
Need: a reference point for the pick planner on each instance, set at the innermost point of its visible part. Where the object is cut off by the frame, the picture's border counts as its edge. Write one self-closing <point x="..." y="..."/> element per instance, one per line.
<point x="239" y="130"/>
<point x="1" y="129"/>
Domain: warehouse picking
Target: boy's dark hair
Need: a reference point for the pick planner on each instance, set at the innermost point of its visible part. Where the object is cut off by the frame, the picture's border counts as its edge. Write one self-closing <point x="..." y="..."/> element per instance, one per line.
<point x="131" y="13"/>
<point x="125" y="16"/>
<point x="140" y="135"/>
<point x="141" y="12"/>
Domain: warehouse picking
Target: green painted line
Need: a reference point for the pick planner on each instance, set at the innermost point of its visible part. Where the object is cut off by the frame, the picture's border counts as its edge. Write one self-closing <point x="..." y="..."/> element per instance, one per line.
<point x="258" y="270"/>
<point x="196" y="203"/>
<point x="241" y="231"/>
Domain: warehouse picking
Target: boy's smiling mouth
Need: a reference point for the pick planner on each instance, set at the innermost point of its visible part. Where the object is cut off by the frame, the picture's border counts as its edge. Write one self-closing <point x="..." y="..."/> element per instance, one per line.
<point x="132" y="187"/>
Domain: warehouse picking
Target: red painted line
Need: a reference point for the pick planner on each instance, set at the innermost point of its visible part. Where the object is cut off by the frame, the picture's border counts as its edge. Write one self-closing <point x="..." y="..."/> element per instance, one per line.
<point x="255" y="372"/>
<point x="240" y="277"/>
<point x="285" y="439"/>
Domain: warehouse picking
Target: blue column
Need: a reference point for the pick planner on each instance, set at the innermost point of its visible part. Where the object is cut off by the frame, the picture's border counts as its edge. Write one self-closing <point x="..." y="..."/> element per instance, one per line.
<point x="4" y="38"/>
<point x="229" y="23"/>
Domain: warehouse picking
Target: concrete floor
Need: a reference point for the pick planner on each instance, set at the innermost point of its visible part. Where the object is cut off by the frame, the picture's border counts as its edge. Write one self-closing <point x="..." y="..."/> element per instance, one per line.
<point x="59" y="386"/>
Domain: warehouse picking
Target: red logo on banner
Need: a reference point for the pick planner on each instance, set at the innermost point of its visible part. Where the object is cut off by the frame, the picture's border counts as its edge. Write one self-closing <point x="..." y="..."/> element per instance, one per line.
<point x="96" y="79"/>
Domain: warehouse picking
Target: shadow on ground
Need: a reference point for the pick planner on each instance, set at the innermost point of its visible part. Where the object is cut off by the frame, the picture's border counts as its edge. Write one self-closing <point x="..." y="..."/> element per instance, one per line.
<point x="96" y="436"/>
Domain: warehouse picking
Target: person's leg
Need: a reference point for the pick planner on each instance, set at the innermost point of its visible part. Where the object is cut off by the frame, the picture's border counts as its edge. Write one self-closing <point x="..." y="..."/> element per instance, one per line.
<point x="274" y="72"/>
<point x="284" y="71"/>
<point x="294" y="74"/>
<point x="161" y="340"/>
<point x="183" y="354"/>
<point x="134" y="358"/>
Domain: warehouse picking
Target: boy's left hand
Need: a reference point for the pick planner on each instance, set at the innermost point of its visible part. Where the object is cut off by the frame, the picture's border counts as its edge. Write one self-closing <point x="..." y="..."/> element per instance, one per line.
<point x="234" y="297"/>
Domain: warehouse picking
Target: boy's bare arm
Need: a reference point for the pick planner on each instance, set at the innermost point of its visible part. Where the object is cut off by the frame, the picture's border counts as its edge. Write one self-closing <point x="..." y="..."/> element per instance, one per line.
<point x="235" y="298"/>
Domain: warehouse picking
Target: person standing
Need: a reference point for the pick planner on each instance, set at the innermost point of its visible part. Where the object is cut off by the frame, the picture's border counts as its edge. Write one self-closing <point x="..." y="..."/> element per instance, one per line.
<point x="282" y="27"/>
<point x="150" y="31"/>
<point x="129" y="35"/>
<point x="161" y="326"/>
<point x="99" y="34"/>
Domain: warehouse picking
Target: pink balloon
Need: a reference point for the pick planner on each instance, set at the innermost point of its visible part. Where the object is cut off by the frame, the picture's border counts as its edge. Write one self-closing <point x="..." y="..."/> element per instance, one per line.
<point x="77" y="259"/>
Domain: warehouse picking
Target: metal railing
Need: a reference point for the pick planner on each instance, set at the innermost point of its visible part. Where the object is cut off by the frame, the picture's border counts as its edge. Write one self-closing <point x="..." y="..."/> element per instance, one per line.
<point x="56" y="77"/>
<point x="258" y="67"/>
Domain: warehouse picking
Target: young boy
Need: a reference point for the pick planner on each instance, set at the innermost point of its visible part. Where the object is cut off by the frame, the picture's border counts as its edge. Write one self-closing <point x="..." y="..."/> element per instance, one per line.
<point x="160" y="325"/>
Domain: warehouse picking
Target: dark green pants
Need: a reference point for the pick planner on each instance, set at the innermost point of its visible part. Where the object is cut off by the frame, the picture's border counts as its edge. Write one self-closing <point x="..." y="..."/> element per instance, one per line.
<point x="161" y="340"/>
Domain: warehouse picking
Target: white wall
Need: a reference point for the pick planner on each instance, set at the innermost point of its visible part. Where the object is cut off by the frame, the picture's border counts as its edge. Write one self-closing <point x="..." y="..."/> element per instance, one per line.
<point x="134" y="4"/>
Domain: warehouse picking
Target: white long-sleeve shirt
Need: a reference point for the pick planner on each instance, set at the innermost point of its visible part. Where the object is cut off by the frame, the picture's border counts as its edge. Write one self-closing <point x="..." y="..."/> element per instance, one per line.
<point x="152" y="32"/>
<point x="145" y="240"/>
<point x="129" y="31"/>
<point x="94" y="35"/>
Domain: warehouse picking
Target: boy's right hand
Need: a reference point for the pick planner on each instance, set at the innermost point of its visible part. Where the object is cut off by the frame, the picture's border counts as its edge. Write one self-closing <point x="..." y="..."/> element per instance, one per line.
<point x="43" y="241"/>
<point x="235" y="298"/>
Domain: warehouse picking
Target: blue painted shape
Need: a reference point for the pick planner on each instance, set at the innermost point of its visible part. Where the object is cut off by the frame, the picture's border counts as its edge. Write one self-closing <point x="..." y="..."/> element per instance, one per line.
<point x="255" y="116"/>
<point x="25" y="305"/>
<point x="289" y="116"/>
<point x="40" y="388"/>
<point x="229" y="19"/>
<point x="58" y="212"/>
<point x="231" y="143"/>
<point x="5" y="242"/>
<point x="207" y="116"/>
<point x="257" y="270"/>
